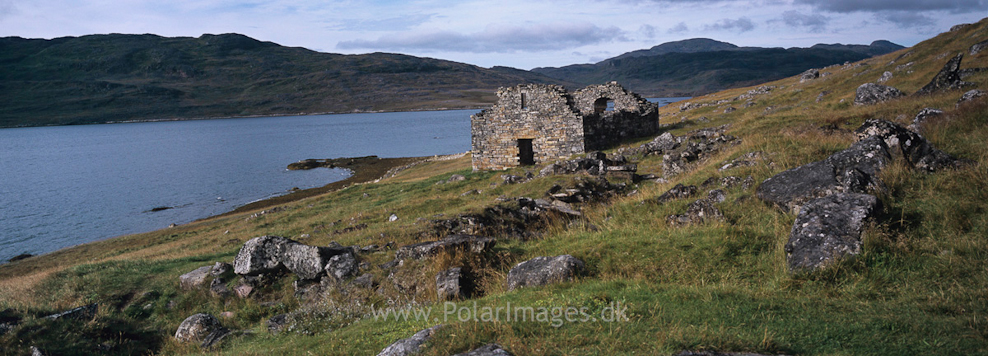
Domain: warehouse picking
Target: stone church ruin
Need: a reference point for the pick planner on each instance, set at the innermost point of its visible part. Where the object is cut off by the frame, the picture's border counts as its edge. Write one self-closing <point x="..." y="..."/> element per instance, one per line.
<point x="540" y="123"/>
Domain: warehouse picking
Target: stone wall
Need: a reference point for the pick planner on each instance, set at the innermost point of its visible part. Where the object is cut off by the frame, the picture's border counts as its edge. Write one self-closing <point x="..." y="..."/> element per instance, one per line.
<point x="631" y="116"/>
<point x="558" y="124"/>
<point x="547" y="118"/>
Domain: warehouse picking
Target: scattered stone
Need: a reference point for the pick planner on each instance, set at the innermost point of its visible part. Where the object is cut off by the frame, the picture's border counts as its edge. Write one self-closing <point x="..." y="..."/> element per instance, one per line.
<point x="221" y="269"/>
<point x="970" y="95"/>
<point x="978" y="47"/>
<point x="700" y="211"/>
<point x="703" y="119"/>
<point x="948" y="77"/>
<point x="393" y="218"/>
<point x="885" y="77"/>
<point x="456" y="178"/>
<point x="365" y="280"/>
<point x="450" y="244"/>
<point x="486" y="350"/>
<point x="448" y="284"/>
<point x="827" y="230"/>
<point x="196" y="327"/>
<point x="680" y="191"/>
<point x="35" y="351"/>
<point x="409" y="346"/>
<point x="922" y="116"/>
<point x="661" y="143"/>
<point x="512" y="179"/>
<point x="746" y="160"/>
<point x="196" y="278"/>
<point x="540" y="271"/>
<point x="822" y="94"/>
<point x="871" y="93"/>
<point x="276" y="324"/>
<point x="243" y="290"/>
<point x="729" y="110"/>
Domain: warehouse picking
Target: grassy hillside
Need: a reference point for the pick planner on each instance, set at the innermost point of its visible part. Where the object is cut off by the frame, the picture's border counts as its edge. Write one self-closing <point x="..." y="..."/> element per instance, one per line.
<point x="710" y="67"/>
<point x="920" y="285"/>
<point x="103" y="78"/>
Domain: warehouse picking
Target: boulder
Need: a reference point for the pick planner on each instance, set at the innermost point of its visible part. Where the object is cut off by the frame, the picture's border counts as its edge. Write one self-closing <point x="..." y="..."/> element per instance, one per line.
<point x="809" y="74"/>
<point x="486" y="350"/>
<point x="306" y="261"/>
<point x="277" y="323"/>
<point x="919" y="152"/>
<point x="410" y="345"/>
<point x="969" y="96"/>
<point x="922" y="116"/>
<point x="196" y="278"/>
<point x="448" y="284"/>
<point x="978" y="47"/>
<point x="661" y="144"/>
<point x="948" y="78"/>
<point x="871" y="93"/>
<point x="854" y="169"/>
<point x="196" y="327"/>
<point x="221" y="269"/>
<point x="885" y="77"/>
<point x="260" y="255"/>
<point x="544" y="270"/>
<point x="450" y="244"/>
<point x="828" y="229"/>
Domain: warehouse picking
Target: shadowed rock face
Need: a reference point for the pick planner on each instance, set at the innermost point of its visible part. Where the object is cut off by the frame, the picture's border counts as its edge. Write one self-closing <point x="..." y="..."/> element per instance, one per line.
<point x="544" y="270"/>
<point x="459" y="242"/>
<point x="828" y="229"/>
<point x="913" y="147"/>
<point x="948" y="78"/>
<point x="260" y="255"/>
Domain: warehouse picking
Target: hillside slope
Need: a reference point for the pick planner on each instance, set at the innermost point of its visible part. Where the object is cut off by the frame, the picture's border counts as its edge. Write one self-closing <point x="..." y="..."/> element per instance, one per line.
<point x="701" y="66"/>
<point x="103" y="78"/>
<point x="918" y="285"/>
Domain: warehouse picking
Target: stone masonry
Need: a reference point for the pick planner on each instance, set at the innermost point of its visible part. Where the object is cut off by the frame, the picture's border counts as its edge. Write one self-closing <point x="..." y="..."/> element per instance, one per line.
<point x="539" y="123"/>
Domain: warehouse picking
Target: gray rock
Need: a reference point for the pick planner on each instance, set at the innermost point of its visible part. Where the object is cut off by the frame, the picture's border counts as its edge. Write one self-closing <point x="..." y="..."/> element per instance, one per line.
<point x="79" y="313"/>
<point x="809" y="74"/>
<point x="196" y="327"/>
<point x="827" y="230"/>
<point x="365" y="280"/>
<point x="221" y="269"/>
<point x="512" y="179"/>
<point x="854" y="169"/>
<point x="700" y="211"/>
<point x="922" y="116"/>
<point x="452" y="243"/>
<point x="969" y="96"/>
<point x="919" y="152"/>
<point x="342" y="266"/>
<point x="410" y="345"/>
<point x="544" y="270"/>
<point x="661" y="143"/>
<point x="486" y="350"/>
<point x="885" y="77"/>
<point x="978" y="47"/>
<point x="307" y="262"/>
<point x="218" y="288"/>
<point x="456" y="178"/>
<point x="948" y="78"/>
<point x="260" y="255"/>
<point x="871" y="93"/>
<point x="678" y="192"/>
<point x="448" y="284"/>
<point x="196" y="278"/>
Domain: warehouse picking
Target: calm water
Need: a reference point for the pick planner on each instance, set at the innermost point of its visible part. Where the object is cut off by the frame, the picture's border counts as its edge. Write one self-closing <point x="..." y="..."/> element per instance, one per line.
<point x="67" y="185"/>
<point x="62" y="186"/>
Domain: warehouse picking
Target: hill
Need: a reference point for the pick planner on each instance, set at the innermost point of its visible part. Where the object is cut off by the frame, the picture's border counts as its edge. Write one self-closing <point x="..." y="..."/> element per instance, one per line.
<point x="656" y="279"/>
<point x="106" y="78"/>
<point x="700" y="66"/>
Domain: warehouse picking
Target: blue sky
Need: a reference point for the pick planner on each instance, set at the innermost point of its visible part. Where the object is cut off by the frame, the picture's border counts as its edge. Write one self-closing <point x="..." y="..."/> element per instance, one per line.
<point x="521" y="34"/>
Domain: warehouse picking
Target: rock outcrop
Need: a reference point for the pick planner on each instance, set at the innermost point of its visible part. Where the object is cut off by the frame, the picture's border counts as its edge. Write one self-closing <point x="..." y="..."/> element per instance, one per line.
<point x="948" y="78"/>
<point x="543" y="270"/>
<point x="450" y="244"/>
<point x="197" y="327"/>
<point x="449" y="284"/>
<point x="260" y="255"/>
<point x="919" y="152"/>
<point x="828" y="229"/>
<point x="871" y="93"/>
<point x="700" y="211"/>
<point x="970" y="95"/>
<point x="271" y="254"/>
<point x="978" y="47"/>
<point x="486" y="350"/>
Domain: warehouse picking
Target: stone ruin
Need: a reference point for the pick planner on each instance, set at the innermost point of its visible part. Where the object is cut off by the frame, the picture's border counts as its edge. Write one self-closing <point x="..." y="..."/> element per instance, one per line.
<point x="538" y="123"/>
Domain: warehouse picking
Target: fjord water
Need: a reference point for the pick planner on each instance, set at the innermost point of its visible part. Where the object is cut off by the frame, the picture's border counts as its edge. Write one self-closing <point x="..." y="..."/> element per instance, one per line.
<point x="66" y="185"/>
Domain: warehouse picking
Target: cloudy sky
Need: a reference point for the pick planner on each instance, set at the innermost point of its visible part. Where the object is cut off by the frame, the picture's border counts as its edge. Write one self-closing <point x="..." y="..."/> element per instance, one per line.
<point x="521" y="34"/>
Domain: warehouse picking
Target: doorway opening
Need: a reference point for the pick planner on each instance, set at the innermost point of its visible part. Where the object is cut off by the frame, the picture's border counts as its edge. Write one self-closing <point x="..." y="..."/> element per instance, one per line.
<point x="603" y="104"/>
<point x="526" y="155"/>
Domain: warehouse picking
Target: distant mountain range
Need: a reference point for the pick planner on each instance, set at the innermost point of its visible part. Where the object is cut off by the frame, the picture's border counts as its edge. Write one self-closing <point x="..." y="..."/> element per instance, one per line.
<point x="111" y="78"/>
<point x="699" y="66"/>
